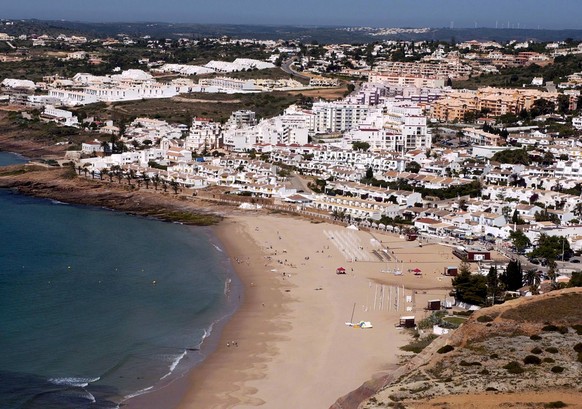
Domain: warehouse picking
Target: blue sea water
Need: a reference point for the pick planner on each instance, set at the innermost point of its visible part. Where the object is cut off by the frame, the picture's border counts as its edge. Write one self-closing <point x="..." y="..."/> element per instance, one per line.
<point x="96" y="305"/>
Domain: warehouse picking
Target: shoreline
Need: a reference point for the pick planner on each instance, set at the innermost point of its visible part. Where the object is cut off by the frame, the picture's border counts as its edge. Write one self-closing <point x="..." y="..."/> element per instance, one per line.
<point x="53" y="183"/>
<point x="169" y="393"/>
<point x="275" y="321"/>
<point x="260" y="299"/>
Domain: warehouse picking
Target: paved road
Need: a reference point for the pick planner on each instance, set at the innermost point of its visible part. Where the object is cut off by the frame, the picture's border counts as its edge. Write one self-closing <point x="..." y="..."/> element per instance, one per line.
<point x="286" y="66"/>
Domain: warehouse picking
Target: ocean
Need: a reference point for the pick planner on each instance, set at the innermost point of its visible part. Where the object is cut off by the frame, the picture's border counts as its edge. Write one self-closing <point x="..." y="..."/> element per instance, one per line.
<point x="97" y="306"/>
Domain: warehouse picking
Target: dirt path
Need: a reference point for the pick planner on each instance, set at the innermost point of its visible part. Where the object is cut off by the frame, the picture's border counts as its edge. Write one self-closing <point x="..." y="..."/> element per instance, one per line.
<point x="207" y="101"/>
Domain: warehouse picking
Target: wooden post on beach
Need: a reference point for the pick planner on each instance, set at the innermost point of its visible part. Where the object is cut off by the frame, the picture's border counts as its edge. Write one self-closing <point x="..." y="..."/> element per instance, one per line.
<point x="353" y="310"/>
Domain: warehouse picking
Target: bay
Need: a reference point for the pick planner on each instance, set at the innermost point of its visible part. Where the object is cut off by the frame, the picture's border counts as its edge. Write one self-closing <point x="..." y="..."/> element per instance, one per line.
<point x="97" y="305"/>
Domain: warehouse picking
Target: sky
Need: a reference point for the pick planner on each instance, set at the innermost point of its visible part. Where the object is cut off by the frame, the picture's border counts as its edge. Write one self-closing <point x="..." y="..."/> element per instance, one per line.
<point x="549" y="14"/>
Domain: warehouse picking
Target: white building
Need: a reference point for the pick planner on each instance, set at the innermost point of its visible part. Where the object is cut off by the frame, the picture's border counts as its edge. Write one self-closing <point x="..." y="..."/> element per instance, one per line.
<point x="396" y="126"/>
<point x="331" y="117"/>
<point x="60" y="116"/>
<point x="292" y="127"/>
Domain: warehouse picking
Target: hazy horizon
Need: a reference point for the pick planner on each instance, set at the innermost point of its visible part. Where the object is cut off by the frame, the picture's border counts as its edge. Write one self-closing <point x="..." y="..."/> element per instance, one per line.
<point x="529" y="14"/>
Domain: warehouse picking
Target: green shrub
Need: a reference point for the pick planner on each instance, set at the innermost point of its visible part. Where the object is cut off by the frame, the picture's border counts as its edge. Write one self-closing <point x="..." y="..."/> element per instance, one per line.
<point x="465" y="363"/>
<point x="556" y="404"/>
<point x="514" y="367"/>
<point x="557" y="369"/>
<point x="418" y="345"/>
<point x="445" y="349"/>
<point x="552" y="350"/>
<point x="494" y="356"/>
<point x="463" y="313"/>
<point x="484" y="318"/>
<point x="532" y="360"/>
<point x="536" y="350"/>
<point x="577" y="328"/>
<point x="535" y="337"/>
<point x="550" y="328"/>
<point x="578" y="347"/>
<point x="579" y="356"/>
<point x="549" y="360"/>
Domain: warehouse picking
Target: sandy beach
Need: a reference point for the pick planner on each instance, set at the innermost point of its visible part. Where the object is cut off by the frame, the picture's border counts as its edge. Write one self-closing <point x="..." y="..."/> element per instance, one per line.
<point x="288" y="346"/>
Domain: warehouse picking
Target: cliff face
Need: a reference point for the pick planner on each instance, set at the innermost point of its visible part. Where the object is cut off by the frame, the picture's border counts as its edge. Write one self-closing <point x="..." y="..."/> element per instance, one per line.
<point x="529" y="347"/>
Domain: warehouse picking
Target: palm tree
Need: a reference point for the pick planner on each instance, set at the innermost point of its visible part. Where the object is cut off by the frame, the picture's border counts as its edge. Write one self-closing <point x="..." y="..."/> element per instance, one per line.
<point x="106" y="171"/>
<point x="116" y="170"/>
<point x="146" y="180"/>
<point x="164" y="185"/>
<point x="156" y="181"/>
<point x="174" y="186"/>
<point x="106" y="147"/>
<point x="552" y="271"/>
<point x="93" y="174"/>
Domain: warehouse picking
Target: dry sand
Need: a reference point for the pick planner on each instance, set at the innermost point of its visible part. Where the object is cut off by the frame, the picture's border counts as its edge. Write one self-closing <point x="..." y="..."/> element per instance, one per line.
<point x="288" y="345"/>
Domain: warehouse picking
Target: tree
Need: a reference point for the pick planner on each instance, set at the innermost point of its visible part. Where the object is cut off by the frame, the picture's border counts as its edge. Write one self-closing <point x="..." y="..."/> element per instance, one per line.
<point x="364" y="146"/>
<point x="519" y="240"/>
<point x="545" y="216"/>
<point x="174" y="185"/>
<point x="493" y="287"/>
<point x="542" y="107"/>
<point x="551" y="247"/>
<point x="576" y="280"/>
<point x="369" y="173"/>
<point x="156" y="181"/>
<point x="109" y="173"/>
<point x="512" y="156"/>
<point x="513" y="276"/>
<point x="516" y="219"/>
<point x="532" y="278"/>
<point x="470" y="288"/>
<point x="412" y="167"/>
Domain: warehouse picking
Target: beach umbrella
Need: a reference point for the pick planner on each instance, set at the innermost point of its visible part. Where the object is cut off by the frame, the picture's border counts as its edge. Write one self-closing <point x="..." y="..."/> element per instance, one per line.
<point x="417" y="270"/>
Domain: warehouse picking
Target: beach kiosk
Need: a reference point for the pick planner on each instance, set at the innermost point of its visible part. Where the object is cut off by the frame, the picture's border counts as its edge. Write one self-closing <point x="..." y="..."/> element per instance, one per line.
<point x="407" y="322"/>
<point x="340" y="270"/>
<point x="451" y="271"/>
